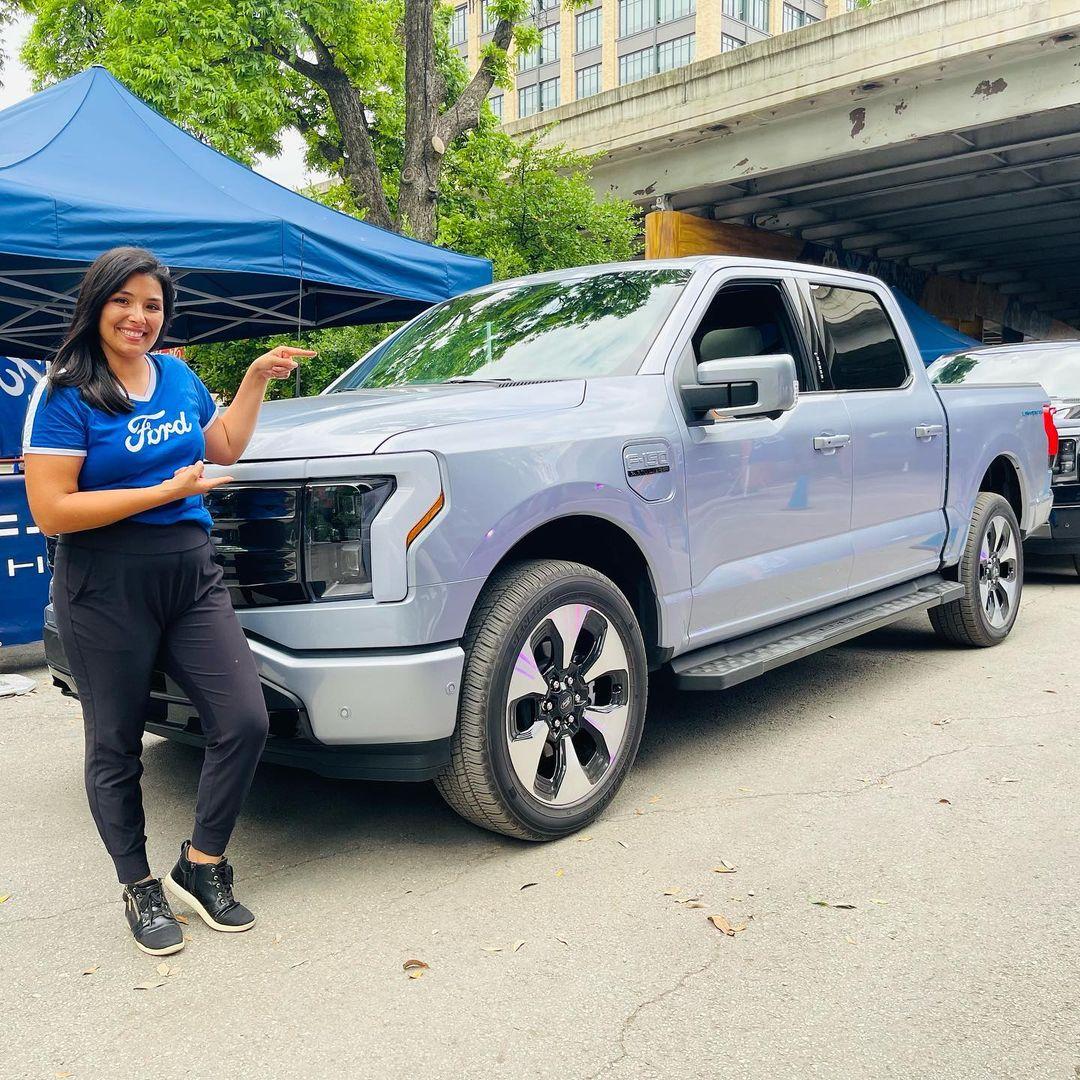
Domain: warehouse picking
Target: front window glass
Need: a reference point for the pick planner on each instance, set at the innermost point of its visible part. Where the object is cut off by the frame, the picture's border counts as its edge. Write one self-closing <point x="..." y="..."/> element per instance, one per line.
<point x="1057" y="369"/>
<point x="600" y="325"/>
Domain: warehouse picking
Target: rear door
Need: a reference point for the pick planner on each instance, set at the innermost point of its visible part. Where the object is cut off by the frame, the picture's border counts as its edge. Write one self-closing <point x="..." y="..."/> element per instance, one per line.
<point x="898" y="434"/>
<point x="768" y="502"/>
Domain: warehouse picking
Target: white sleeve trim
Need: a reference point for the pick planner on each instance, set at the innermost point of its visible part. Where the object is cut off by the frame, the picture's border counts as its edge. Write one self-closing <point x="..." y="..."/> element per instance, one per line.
<point x="212" y="421"/>
<point x="53" y="450"/>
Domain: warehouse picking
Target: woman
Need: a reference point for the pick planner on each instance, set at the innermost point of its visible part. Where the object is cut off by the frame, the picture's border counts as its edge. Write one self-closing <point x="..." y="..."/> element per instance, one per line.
<point x="114" y="444"/>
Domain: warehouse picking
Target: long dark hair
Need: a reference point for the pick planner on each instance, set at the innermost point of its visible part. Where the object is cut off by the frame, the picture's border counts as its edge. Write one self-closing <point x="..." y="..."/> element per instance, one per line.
<point x="80" y="360"/>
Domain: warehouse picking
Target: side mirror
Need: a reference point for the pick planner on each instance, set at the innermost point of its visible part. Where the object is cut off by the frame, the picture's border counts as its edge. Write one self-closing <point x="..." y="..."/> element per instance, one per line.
<point x="742" y="386"/>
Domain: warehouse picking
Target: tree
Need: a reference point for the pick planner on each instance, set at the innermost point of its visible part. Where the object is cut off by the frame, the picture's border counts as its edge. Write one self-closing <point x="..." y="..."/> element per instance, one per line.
<point x="366" y="82"/>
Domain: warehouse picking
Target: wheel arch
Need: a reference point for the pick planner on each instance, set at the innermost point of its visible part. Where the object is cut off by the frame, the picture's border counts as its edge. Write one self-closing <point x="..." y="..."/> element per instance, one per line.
<point x="606" y="547"/>
<point x="1002" y="477"/>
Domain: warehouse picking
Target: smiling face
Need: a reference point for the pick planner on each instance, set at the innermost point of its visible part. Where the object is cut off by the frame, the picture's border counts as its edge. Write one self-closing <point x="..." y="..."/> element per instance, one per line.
<point x="131" y="318"/>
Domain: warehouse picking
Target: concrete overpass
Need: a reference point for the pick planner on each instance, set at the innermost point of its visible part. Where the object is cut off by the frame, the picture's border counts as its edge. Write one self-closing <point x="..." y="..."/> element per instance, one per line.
<point x="934" y="141"/>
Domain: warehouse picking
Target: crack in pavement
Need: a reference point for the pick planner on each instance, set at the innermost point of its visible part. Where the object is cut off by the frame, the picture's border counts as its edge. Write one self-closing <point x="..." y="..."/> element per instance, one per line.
<point x="628" y="1022"/>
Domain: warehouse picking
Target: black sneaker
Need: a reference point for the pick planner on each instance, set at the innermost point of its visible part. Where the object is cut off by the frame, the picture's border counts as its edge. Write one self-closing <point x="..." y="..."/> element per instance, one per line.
<point x="207" y="889"/>
<point x="152" y="923"/>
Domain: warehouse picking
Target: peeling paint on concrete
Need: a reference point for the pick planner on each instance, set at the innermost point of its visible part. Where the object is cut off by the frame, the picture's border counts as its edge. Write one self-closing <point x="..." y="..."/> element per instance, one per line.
<point x="900" y="106"/>
<point x="987" y="88"/>
<point x="646" y="190"/>
<point x="858" y="121"/>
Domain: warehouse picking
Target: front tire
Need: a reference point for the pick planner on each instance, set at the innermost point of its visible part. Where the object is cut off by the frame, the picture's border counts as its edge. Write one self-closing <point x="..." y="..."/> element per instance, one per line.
<point x="992" y="573"/>
<point x="552" y="702"/>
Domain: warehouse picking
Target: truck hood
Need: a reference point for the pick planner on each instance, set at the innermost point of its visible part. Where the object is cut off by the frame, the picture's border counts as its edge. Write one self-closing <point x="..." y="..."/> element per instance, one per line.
<point x="359" y="421"/>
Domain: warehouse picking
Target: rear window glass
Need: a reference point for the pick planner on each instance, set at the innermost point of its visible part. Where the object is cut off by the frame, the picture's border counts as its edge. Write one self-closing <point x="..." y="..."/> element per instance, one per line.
<point x="1058" y="370"/>
<point x="861" y="349"/>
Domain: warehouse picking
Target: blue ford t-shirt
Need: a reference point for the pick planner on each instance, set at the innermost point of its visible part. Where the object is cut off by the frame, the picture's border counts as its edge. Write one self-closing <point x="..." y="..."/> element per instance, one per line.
<point x="139" y="449"/>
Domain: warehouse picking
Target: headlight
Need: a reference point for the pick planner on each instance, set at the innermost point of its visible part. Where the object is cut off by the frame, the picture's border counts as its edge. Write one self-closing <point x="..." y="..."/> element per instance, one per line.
<point x="1065" y="462"/>
<point x="337" y="535"/>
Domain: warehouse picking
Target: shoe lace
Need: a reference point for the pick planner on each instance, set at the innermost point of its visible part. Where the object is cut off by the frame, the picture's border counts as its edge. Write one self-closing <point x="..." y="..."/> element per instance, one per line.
<point x="151" y="902"/>
<point x="221" y="874"/>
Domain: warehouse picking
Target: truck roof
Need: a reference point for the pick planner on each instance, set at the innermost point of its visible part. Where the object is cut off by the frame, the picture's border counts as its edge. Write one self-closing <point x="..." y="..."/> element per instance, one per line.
<point x="694" y="263"/>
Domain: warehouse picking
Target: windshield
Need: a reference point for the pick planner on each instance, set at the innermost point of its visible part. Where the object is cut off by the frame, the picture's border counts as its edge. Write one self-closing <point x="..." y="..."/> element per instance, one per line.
<point x="600" y="325"/>
<point x="1057" y="369"/>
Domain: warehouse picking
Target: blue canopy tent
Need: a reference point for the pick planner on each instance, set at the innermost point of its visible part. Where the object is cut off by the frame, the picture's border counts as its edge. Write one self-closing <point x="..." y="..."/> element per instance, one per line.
<point x="933" y="337"/>
<point x="86" y="165"/>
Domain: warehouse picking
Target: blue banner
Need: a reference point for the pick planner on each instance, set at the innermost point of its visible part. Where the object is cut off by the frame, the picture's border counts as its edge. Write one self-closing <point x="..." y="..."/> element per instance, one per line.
<point x="24" y="573"/>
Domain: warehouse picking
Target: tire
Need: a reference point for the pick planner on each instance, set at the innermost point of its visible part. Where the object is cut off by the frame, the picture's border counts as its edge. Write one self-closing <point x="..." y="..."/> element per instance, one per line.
<point x="992" y="573"/>
<point x="504" y="733"/>
<point x="1076" y="563"/>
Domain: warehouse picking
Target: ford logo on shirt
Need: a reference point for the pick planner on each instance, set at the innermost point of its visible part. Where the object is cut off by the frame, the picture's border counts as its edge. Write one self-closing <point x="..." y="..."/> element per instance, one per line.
<point x="144" y="431"/>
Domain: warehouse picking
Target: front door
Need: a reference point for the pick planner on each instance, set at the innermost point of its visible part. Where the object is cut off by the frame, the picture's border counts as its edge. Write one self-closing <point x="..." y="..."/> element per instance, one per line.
<point x="768" y="500"/>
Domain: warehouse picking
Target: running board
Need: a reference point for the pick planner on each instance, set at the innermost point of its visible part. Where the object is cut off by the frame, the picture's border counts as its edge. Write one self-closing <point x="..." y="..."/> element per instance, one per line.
<point x="717" y="667"/>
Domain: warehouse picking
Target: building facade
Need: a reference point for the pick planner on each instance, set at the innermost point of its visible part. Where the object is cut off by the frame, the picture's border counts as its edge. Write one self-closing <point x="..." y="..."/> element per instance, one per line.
<point x="614" y="42"/>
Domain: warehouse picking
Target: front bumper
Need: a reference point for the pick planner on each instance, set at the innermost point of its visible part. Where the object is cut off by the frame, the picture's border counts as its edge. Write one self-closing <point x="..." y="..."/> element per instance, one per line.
<point x="367" y="714"/>
<point x="1059" y="536"/>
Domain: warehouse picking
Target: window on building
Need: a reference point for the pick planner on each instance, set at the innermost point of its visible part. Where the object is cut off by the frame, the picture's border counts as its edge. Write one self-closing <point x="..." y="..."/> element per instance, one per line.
<point x="651" y="61"/>
<point x="588" y="29"/>
<point x="634" y="16"/>
<point x="457" y="26"/>
<point x="727" y="43"/>
<point x="496" y="104"/>
<point x="674" y="9"/>
<point x="528" y="100"/>
<point x="488" y="19"/>
<point x="851" y="5"/>
<point x="794" y="18"/>
<point x="861" y="349"/>
<point x="545" y="5"/>
<point x="754" y="13"/>
<point x="549" y="44"/>
<point x="539" y="97"/>
<point x="638" y="15"/>
<point x="675" y="53"/>
<point x="587" y="82"/>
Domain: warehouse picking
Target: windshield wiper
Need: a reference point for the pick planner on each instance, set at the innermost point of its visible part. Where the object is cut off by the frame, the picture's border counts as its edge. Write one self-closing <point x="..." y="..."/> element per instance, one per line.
<point x="495" y="382"/>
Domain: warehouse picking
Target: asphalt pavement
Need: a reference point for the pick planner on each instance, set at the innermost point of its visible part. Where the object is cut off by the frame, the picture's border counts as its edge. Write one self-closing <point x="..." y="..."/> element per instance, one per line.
<point x="900" y="817"/>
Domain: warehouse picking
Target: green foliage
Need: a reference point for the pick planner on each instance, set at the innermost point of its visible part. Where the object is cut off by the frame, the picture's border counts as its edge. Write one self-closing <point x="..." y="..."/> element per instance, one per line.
<point x="222" y="365"/>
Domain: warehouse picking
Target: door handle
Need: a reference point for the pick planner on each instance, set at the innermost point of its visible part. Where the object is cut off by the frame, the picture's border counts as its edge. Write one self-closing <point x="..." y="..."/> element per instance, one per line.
<point x="828" y="444"/>
<point x="929" y="431"/>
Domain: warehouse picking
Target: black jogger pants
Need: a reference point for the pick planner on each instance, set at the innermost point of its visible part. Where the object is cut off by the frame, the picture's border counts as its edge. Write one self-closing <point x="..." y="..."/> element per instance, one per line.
<point x="130" y="597"/>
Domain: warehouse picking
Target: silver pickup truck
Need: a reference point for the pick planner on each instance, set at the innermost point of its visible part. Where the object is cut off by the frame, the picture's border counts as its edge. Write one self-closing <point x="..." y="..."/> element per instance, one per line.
<point x="462" y="560"/>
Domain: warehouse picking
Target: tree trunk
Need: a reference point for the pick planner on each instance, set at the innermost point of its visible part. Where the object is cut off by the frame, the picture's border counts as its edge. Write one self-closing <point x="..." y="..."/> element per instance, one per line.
<point x="359" y="168"/>
<point x="424" y="93"/>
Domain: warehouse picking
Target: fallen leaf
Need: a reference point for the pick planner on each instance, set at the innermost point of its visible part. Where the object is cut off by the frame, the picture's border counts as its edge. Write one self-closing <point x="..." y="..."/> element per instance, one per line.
<point x="622" y="843"/>
<point x="1004" y="779"/>
<point x="723" y="925"/>
<point x="89" y="970"/>
<point x="638" y="811"/>
<point x="656" y="798"/>
<point x="940" y="723"/>
<point x="671" y="892"/>
<point x="873" y="900"/>
<point x="724" y="868"/>
<point x="826" y="903"/>
<point x="414" y="968"/>
<point x="560" y="872"/>
<point x="562" y="939"/>
<point x="164" y="969"/>
<point x="61" y="1076"/>
<point x="745" y="789"/>
<point x="850" y="940"/>
<point x="945" y="802"/>
<point x="517" y="945"/>
<point x="150" y="985"/>
<point x="491" y="948"/>
<point x="583" y="839"/>
<point x="528" y="885"/>
<point x="694" y="904"/>
<point x="181" y="919"/>
<point x="686" y="899"/>
<point x="1049" y="691"/>
<point x="5" y="897"/>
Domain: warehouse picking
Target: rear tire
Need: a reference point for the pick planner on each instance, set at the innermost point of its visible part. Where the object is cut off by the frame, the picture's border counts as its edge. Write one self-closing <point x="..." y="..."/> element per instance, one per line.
<point x="992" y="573"/>
<point x="546" y="731"/>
